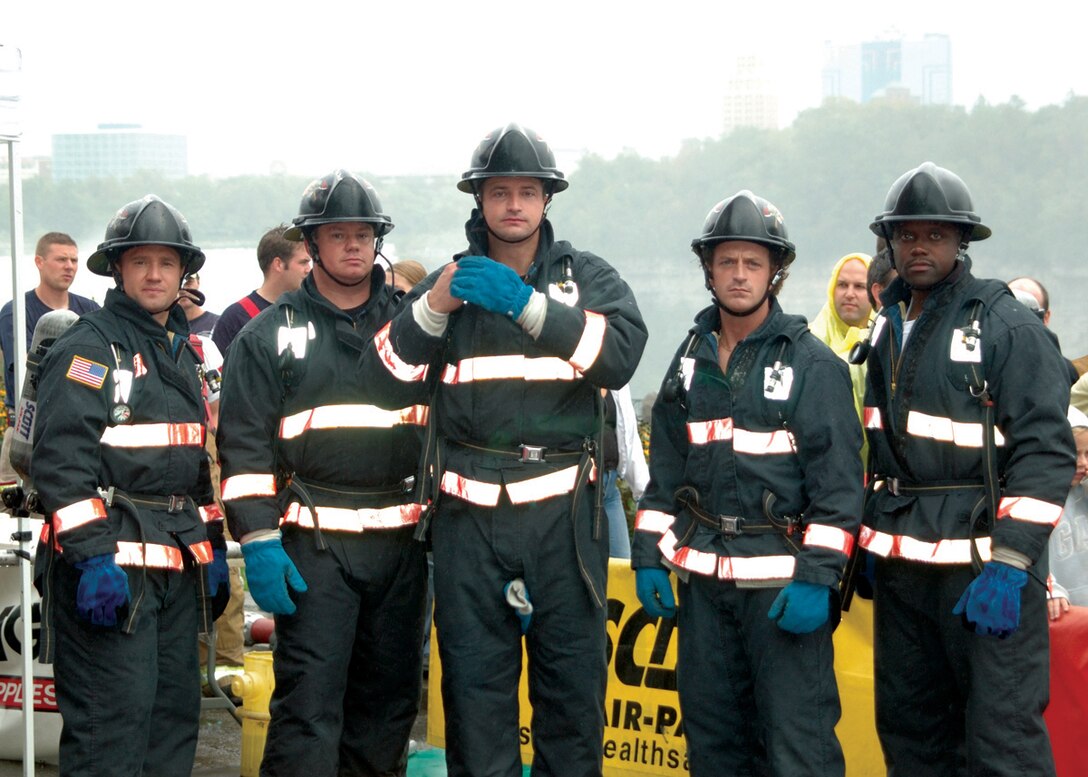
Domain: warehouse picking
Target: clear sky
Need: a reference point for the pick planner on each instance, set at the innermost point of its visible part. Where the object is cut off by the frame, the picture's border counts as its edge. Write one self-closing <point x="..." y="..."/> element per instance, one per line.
<point x="410" y="86"/>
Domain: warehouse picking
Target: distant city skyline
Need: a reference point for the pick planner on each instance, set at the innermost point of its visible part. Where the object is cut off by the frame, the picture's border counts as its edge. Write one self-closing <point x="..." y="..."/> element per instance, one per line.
<point x="410" y="87"/>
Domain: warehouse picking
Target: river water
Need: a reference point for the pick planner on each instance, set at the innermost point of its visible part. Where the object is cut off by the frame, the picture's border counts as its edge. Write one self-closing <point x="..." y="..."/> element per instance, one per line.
<point x="668" y="300"/>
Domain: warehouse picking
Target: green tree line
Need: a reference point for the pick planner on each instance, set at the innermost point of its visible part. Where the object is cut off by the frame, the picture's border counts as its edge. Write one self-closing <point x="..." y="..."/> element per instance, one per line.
<point x="828" y="172"/>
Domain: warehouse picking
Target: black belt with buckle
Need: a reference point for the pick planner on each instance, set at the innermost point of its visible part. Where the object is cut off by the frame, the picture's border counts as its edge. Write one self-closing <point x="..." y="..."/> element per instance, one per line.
<point x="900" y="487"/>
<point x="172" y="503"/>
<point x="732" y="525"/>
<point x="726" y="525"/>
<point x="527" y="454"/>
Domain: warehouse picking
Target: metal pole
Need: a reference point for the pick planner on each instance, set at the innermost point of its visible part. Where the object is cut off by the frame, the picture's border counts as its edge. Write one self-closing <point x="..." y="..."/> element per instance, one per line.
<point x="10" y="133"/>
<point x="15" y="200"/>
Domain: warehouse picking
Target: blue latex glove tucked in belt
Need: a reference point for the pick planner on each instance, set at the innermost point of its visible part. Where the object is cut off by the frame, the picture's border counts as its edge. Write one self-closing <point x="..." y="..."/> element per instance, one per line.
<point x="991" y="603"/>
<point x="103" y="590"/>
<point x="517" y="596"/>
<point x="218" y="572"/>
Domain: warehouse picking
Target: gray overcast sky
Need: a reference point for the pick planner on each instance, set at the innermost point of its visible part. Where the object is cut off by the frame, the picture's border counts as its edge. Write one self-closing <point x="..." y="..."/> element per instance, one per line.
<point x="410" y="86"/>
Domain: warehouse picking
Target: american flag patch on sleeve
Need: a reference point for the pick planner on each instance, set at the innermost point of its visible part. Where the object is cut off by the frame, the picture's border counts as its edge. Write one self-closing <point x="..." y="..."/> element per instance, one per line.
<point x="87" y="372"/>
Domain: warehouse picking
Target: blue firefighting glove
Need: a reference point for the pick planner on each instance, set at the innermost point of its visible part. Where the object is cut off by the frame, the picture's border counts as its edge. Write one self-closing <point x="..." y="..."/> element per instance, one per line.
<point x="103" y="590"/>
<point x="655" y="592"/>
<point x="801" y="607"/>
<point x="491" y="285"/>
<point x="517" y="596"/>
<point x="269" y="570"/>
<point x="218" y="572"/>
<point x="991" y="603"/>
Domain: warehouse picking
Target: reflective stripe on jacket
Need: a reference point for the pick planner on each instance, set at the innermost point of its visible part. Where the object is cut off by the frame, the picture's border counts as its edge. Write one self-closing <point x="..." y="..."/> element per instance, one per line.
<point x="926" y="428"/>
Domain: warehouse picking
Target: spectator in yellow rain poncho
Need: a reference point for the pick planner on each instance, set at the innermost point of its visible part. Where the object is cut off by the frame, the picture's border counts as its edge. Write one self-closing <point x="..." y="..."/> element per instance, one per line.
<point x="844" y="319"/>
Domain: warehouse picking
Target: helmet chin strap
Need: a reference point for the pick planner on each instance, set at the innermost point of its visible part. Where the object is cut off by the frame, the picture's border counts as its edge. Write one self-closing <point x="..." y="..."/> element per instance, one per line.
<point x="195" y="295"/>
<point x="960" y="253"/>
<point x="318" y="263"/>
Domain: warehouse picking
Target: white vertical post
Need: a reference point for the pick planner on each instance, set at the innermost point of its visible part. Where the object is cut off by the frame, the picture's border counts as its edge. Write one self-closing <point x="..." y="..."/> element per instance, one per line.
<point x="10" y="132"/>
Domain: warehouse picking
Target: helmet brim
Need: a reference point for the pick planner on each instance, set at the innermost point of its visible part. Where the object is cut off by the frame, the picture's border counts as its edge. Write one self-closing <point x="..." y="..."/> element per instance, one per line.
<point x="468" y="182"/>
<point x="784" y="249"/>
<point x="881" y="227"/>
<point x="297" y="233"/>
<point x="101" y="261"/>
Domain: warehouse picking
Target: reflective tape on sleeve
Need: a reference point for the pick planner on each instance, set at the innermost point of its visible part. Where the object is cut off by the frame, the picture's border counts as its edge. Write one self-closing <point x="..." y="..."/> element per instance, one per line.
<point x="697" y="561"/>
<point x="354" y="520"/>
<point x="47" y="537"/>
<point x="962" y="434"/>
<point x="911" y="549"/>
<point x="398" y="368"/>
<point x="202" y="551"/>
<point x="241" y="486"/>
<point x="511" y="367"/>
<point x="154" y="435"/>
<point x="589" y="345"/>
<point x="79" y="514"/>
<point x="872" y="418"/>
<point x="653" y="521"/>
<point x="818" y="535"/>
<point x="210" y="513"/>
<point x="1026" y="508"/>
<point x="350" y="417"/>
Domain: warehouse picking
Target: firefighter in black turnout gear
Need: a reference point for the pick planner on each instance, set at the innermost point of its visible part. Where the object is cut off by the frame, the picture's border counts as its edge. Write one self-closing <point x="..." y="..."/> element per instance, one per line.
<point x="517" y="334"/>
<point x="754" y="501"/>
<point x="318" y="484"/>
<point x="971" y="460"/>
<point x="126" y="564"/>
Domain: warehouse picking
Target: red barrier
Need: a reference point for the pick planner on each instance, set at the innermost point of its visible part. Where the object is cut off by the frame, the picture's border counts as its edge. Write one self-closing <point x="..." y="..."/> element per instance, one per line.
<point x="1068" y="710"/>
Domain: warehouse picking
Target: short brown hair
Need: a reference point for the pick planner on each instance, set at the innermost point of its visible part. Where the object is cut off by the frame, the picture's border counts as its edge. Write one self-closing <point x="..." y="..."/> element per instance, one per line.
<point x="274" y="245"/>
<point x="53" y="239"/>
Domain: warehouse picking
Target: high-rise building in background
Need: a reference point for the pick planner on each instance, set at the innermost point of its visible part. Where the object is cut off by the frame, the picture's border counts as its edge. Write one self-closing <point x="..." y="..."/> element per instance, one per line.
<point x="751" y="99"/>
<point x="118" y="151"/>
<point x="920" y="69"/>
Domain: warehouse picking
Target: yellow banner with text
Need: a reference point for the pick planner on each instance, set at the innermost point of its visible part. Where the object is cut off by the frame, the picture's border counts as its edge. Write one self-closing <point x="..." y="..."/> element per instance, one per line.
<point x="643" y="724"/>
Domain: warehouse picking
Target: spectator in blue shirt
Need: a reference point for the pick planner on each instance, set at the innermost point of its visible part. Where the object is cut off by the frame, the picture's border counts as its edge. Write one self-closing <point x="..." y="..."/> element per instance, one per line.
<point x="57" y="260"/>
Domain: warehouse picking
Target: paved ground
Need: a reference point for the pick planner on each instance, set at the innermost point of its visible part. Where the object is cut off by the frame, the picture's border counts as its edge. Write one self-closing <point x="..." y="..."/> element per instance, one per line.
<point x="219" y="746"/>
<point x="218" y="752"/>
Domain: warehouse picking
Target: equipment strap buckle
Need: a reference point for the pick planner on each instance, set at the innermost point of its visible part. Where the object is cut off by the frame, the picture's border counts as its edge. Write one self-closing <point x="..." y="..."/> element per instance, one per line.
<point x="107" y="495"/>
<point x="533" y="454"/>
<point x="729" y="524"/>
<point x="893" y="485"/>
<point x="175" y="503"/>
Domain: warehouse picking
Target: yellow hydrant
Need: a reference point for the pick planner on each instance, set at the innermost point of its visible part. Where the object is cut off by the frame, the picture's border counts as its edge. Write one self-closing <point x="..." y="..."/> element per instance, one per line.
<point x="255" y="689"/>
